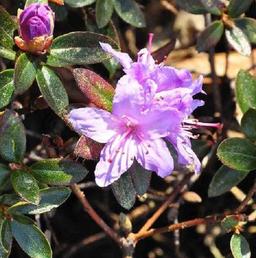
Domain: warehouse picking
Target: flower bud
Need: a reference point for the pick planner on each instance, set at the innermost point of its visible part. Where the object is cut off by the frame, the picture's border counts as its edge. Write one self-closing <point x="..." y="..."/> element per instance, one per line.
<point x="36" y="24"/>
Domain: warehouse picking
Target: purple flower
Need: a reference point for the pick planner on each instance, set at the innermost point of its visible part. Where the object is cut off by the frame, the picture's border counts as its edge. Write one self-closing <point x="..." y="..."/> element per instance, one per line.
<point x="130" y="132"/>
<point x="166" y="88"/>
<point x="36" y="24"/>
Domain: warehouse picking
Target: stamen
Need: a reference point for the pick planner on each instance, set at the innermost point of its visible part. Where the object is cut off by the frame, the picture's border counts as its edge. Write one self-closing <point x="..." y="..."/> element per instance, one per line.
<point x="196" y="124"/>
<point x="150" y="39"/>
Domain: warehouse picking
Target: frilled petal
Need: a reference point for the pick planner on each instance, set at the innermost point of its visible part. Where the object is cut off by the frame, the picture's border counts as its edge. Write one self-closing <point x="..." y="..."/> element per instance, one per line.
<point x="186" y="155"/>
<point x="145" y="57"/>
<point x="116" y="158"/>
<point x="94" y="123"/>
<point x="123" y="58"/>
<point x="155" y="156"/>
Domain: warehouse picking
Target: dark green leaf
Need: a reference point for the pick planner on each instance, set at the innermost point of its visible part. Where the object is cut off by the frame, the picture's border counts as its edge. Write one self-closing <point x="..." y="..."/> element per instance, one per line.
<point x="229" y="223"/>
<point x="201" y="147"/>
<point x="94" y="88"/>
<point x="200" y="6"/>
<point x="248" y="124"/>
<point x="30" y="238"/>
<point x="248" y="26"/>
<point x="9" y="199"/>
<point x="52" y="90"/>
<point x="7" y="53"/>
<point x="6" y="87"/>
<point x="124" y="191"/>
<point x="25" y="185"/>
<point x="78" y="48"/>
<point x="238" y="7"/>
<point x="224" y="179"/>
<point x="50" y="198"/>
<point x="12" y="137"/>
<point x="79" y="3"/>
<point x="28" y="2"/>
<point x="25" y="73"/>
<point x="238" y="154"/>
<point x="111" y="65"/>
<point x="61" y="12"/>
<point x="7" y="27"/>
<point x="239" y="246"/>
<point x="246" y="90"/>
<point x="210" y="36"/>
<point x="104" y="10"/>
<point x="238" y="40"/>
<point x="58" y="171"/>
<point x="5" y="236"/>
<point x="130" y="12"/>
<point x="4" y="176"/>
<point x="140" y="177"/>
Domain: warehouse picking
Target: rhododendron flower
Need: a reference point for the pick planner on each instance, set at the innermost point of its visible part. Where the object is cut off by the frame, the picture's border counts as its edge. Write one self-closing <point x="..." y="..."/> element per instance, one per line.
<point x="36" y="24"/>
<point x="130" y="132"/>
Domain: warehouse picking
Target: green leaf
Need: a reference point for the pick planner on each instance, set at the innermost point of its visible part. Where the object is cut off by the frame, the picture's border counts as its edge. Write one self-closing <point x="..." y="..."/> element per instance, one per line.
<point x="6" y="87"/>
<point x="229" y="223"/>
<point x="4" y="176"/>
<point x="124" y="191"/>
<point x="239" y="246"/>
<point x="25" y="185"/>
<point x="12" y="137"/>
<point x="104" y="10"/>
<point x="52" y="90"/>
<point x="5" y="236"/>
<point x="210" y="36"/>
<point x="130" y="12"/>
<point x="246" y="91"/>
<point x="78" y="48"/>
<point x="9" y="199"/>
<point x="58" y="171"/>
<point x="238" y="7"/>
<point x="30" y="238"/>
<point x="51" y="198"/>
<point x="238" y="40"/>
<point x="200" y="6"/>
<point x="7" y="53"/>
<point x="248" y="26"/>
<point x="248" y="124"/>
<point x="238" y="154"/>
<point x="25" y="73"/>
<point x="7" y="27"/>
<point x="79" y="3"/>
<point x="140" y="177"/>
<point x="224" y="179"/>
<point x="28" y="2"/>
<point x="95" y="88"/>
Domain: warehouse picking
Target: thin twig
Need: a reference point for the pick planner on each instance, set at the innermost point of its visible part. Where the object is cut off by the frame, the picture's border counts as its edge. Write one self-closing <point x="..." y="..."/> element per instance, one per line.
<point x="248" y="197"/>
<point x="186" y="224"/>
<point x="94" y="215"/>
<point x="166" y="204"/>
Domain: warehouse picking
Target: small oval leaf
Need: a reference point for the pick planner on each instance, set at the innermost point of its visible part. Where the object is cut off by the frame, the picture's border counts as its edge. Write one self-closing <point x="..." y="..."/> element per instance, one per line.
<point x="6" y="87"/>
<point x="248" y="124"/>
<point x="79" y="3"/>
<point x="78" y="48"/>
<point x="224" y="179"/>
<point x="25" y="185"/>
<point x="248" y="26"/>
<point x="30" y="238"/>
<point x="239" y="246"/>
<point x="52" y="90"/>
<point x="12" y="137"/>
<point x="25" y="73"/>
<point x="238" y="7"/>
<point x="238" y="154"/>
<point x="246" y="90"/>
<point x="104" y="10"/>
<point x="4" y="176"/>
<point x="238" y="40"/>
<point x="124" y="191"/>
<point x="58" y="171"/>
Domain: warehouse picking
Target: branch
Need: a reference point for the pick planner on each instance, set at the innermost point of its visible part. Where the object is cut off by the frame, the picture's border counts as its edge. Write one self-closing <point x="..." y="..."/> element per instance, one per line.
<point x="166" y="204"/>
<point x="94" y="215"/>
<point x="186" y="224"/>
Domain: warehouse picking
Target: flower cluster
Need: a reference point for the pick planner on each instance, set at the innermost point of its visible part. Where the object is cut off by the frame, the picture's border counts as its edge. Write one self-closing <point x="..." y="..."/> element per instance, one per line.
<point x="36" y="24"/>
<point x="151" y="105"/>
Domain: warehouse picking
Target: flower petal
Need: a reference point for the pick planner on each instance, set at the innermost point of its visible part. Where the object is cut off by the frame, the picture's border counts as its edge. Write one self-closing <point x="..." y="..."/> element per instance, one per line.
<point x="123" y="58"/>
<point x="94" y="123"/>
<point x="155" y="156"/>
<point x="116" y="158"/>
